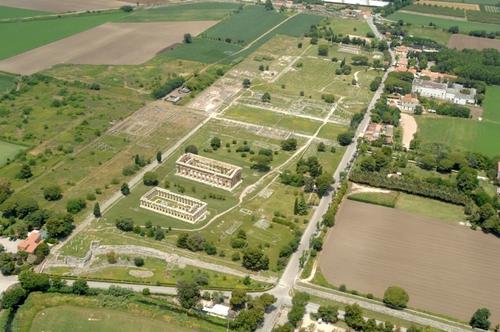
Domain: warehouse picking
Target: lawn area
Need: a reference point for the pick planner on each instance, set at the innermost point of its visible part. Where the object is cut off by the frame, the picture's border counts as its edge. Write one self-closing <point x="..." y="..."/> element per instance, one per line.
<point x="430" y="208"/>
<point x="272" y="119"/>
<point x="422" y="20"/>
<point x="204" y="11"/>
<point x="58" y="312"/>
<point x="464" y="134"/>
<point x="7" y="82"/>
<point x="8" y="151"/>
<point x="12" y="12"/>
<point x="378" y="198"/>
<point x="492" y="103"/>
<point x="244" y="27"/>
<point x="19" y="37"/>
<point x="434" y="33"/>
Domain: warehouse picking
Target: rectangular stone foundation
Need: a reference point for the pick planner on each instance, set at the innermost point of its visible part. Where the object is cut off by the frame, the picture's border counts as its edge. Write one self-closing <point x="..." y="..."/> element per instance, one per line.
<point x="208" y="171"/>
<point x="174" y="205"/>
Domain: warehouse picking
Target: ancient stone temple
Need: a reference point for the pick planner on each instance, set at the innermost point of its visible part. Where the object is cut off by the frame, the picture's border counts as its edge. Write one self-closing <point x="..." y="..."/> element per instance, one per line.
<point x="208" y="171"/>
<point x="174" y="205"/>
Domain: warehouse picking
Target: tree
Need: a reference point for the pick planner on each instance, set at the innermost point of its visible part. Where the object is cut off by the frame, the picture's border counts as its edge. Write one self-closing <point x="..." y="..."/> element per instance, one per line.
<point x="59" y="226"/>
<point x="80" y="287"/>
<point x="138" y="261"/>
<point x="353" y="317"/>
<point x="127" y="8"/>
<point x="480" y="319"/>
<point x="290" y="144"/>
<point x="32" y="281"/>
<point x="13" y="296"/>
<point x="396" y="297"/>
<point x="150" y="179"/>
<point x="418" y="110"/>
<point x="52" y="193"/>
<point x="266" y="97"/>
<point x="41" y="252"/>
<point x="158" y="157"/>
<point x="188" y="39"/>
<point x="248" y="319"/>
<point x="125" y="189"/>
<point x="328" y="313"/>
<point x="287" y="327"/>
<point x="453" y="29"/>
<point x="300" y="207"/>
<point x="188" y="293"/>
<point x="254" y="259"/>
<point x="345" y="138"/>
<point x="321" y="147"/>
<point x="215" y="143"/>
<point x="268" y="5"/>
<point x="323" y="50"/>
<point x="125" y="224"/>
<point x="467" y="179"/>
<point x="323" y="183"/>
<point x="246" y="83"/>
<point x="238" y="298"/>
<point x="75" y="205"/>
<point x="5" y="190"/>
<point x="24" y="172"/>
<point x="261" y="162"/>
<point x="97" y="210"/>
<point x="191" y="149"/>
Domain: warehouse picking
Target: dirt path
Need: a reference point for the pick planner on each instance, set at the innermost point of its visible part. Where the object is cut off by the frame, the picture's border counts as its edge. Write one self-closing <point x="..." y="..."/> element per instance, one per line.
<point x="410" y="127"/>
<point x="435" y="15"/>
<point x="357" y="188"/>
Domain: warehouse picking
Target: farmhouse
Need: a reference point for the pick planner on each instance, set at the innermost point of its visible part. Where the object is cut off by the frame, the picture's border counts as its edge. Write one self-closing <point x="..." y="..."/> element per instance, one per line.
<point x="174" y="205"/>
<point x="376" y="131"/>
<point x="408" y="103"/>
<point x="456" y="93"/>
<point x="32" y="242"/>
<point x="208" y="171"/>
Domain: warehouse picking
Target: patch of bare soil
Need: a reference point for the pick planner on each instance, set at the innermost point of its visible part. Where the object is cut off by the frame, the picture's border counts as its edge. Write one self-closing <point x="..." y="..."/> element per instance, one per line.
<point x="409" y="126"/>
<point x="141" y="273"/>
<point x="445" y="268"/>
<point x="111" y="43"/>
<point x="462" y="41"/>
<point x="61" y="6"/>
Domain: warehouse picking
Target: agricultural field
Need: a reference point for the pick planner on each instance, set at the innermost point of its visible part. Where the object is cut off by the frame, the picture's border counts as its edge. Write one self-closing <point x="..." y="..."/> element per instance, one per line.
<point x="12" y="12"/>
<point x="422" y="20"/>
<point x="125" y="44"/>
<point x="8" y="151"/>
<point x="57" y="6"/>
<point x="370" y="247"/>
<point x="464" y="134"/>
<point x="204" y="11"/>
<point x="435" y="10"/>
<point x="58" y="312"/>
<point x="348" y="26"/>
<point x="242" y="28"/>
<point x="437" y="34"/>
<point x="448" y="4"/>
<point x="7" y="82"/>
<point x="22" y="36"/>
<point x="461" y="42"/>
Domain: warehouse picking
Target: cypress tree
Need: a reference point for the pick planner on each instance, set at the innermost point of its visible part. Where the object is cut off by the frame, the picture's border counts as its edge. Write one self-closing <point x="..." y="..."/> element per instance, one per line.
<point x="97" y="210"/>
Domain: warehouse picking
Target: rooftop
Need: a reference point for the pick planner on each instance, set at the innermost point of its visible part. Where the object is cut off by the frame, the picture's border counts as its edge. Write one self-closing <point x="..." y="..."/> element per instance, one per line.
<point x="30" y="244"/>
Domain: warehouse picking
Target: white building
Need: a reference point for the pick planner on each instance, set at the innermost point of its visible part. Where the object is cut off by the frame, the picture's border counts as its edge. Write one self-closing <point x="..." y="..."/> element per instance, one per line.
<point x="456" y="93"/>
<point x="218" y="310"/>
<point x="369" y="3"/>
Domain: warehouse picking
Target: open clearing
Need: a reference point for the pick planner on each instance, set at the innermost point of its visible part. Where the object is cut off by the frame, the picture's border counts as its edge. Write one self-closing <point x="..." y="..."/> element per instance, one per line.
<point x="59" y="6"/>
<point x="461" y="42"/>
<point x="409" y="128"/>
<point x="124" y="43"/>
<point x="9" y="151"/>
<point x="445" y="268"/>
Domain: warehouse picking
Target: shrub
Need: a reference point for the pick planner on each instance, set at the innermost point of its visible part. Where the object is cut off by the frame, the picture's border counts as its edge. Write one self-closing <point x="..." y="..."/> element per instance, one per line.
<point x="75" y="205"/>
<point x="125" y="224"/>
<point x="138" y="261"/>
<point x="52" y="193"/>
<point x="150" y="179"/>
<point x="396" y="297"/>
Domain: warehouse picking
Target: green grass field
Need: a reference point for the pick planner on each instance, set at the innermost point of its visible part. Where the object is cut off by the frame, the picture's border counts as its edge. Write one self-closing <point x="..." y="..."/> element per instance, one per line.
<point x="7" y="83"/>
<point x="349" y="27"/>
<point x="491" y="104"/>
<point x="247" y="25"/>
<point x="430" y="208"/>
<point x="58" y="312"/>
<point x="203" y="50"/>
<point x="377" y="198"/>
<point x="434" y="33"/>
<point x="203" y="11"/>
<point x="19" y="37"/>
<point x="9" y="151"/>
<point x="12" y="12"/>
<point x="272" y="119"/>
<point x="464" y="26"/>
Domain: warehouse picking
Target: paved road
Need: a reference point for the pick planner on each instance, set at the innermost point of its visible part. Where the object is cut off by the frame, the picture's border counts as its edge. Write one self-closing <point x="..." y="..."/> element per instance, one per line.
<point x="285" y="285"/>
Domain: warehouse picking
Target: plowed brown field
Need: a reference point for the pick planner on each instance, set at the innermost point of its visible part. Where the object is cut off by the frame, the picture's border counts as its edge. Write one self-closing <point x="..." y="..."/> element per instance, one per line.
<point x="447" y="269"/>
<point x="61" y="6"/>
<point x="462" y="41"/>
<point x="109" y="44"/>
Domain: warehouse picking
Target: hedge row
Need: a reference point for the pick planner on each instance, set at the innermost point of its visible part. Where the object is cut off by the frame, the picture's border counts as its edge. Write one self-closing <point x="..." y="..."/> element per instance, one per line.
<point x="411" y="186"/>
